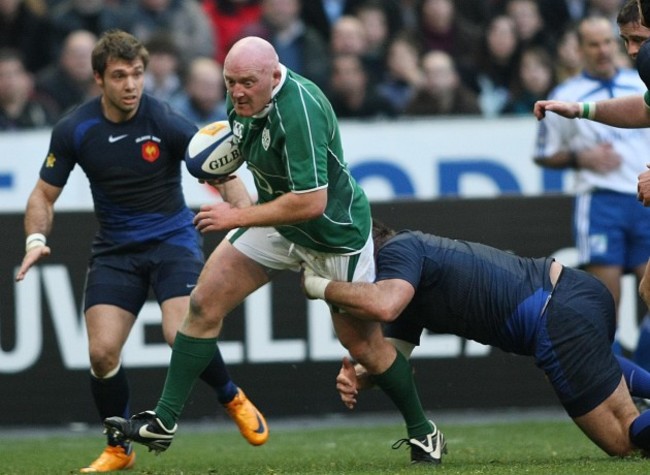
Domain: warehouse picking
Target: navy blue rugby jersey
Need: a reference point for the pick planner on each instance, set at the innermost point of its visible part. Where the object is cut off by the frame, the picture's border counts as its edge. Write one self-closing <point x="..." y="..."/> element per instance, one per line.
<point x="133" y="168"/>
<point x="467" y="289"/>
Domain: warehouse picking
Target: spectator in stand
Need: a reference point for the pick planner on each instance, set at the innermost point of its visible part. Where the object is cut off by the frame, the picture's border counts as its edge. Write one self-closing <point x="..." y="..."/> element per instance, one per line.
<point x="442" y="29"/>
<point x="24" y="27"/>
<point x="95" y="16"/>
<point x="351" y="95"/>
<point x="348" y="37"/>
<point x="227" y="18"/>
<point x="19" y="108"/>
<point x="161" y="78"/>
<point x="478" y="12"/>
<point x="529" y="24"/>
<point x="184" y="20"/>
<point x="496" y="65"/>
<point x="299" y="46"/>
<point x="605" y="8"/>
<point x="559" y="15"/>
<point x="70" y="81"/>
<point x="323" y="14"/>
<point x="443" y="92"/>
<point x="374" y="19"/>
<point x="568" y="60"/>
<point x="203" y="98"/>
<point x="535" y="80"/>
<point x="403" y="75"/>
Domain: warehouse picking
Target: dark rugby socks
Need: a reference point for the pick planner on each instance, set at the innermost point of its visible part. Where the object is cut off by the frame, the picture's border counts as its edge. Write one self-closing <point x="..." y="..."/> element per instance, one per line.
<point x="642" y="352"/>
<point x="111" y="396"/>
<point x="190" y="357"/>
<point x="637" y="379"/>
<point x="398" y="383"/>
<point x="217" y="377"/>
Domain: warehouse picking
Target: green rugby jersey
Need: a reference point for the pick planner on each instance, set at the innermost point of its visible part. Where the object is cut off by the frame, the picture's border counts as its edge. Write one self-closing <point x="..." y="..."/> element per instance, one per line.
<point x="295" y="146"/>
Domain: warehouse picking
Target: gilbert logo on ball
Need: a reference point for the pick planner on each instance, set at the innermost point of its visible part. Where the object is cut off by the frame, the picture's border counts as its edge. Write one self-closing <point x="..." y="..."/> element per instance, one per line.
<point x="212" y="152"/>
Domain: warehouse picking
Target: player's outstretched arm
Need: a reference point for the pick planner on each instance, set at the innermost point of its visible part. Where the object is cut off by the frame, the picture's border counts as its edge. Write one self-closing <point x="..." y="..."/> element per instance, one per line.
<point x="38" y="224"/>
<point x="629" y="112"/>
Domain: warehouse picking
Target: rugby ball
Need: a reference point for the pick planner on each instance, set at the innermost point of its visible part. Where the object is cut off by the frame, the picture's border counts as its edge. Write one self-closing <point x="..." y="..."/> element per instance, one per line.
<point x="212" y="152"/>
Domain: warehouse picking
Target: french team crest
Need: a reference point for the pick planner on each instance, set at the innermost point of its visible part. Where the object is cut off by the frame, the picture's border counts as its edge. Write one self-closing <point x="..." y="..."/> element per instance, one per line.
<point x="150" y="151"/>
<point x="266" y="138"/>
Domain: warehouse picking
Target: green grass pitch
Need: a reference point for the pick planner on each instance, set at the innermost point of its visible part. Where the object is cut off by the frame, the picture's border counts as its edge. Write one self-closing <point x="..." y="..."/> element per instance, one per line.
<point x="532" y="448"/>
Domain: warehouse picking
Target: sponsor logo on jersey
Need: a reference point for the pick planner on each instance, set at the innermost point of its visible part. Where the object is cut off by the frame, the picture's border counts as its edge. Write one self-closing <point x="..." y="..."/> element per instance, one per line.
<point x="50" y="160"/>
<point x="150" y="151"/>
<point x="238" y="130"/>
<point x="112" y="139"/>
<point x="266" y="138"/>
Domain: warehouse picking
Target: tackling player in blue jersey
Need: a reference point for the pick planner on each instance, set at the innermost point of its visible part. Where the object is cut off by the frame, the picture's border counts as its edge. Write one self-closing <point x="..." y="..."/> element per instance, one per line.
<point x="130" y="147"/>
<point x="563" y="317"/>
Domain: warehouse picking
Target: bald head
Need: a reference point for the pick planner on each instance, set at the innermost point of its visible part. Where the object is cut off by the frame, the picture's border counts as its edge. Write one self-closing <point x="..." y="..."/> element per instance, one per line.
<point x="251" y="70"/>
<point x="252" y="52"/>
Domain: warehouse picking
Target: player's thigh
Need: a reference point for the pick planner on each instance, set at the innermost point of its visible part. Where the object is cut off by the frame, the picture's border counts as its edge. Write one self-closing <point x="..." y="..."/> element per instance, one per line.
<point x="228" y="277"/>
<point x="174" y="311"/>
<point x="114" y="294"/>
<point x="608" y="424"/>
<point x="108" y="327"/>
<point x="573" y="342"/>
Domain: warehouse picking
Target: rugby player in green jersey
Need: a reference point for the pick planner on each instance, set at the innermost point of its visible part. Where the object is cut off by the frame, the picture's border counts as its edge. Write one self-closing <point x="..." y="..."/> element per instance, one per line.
<point x="310" y="212"/>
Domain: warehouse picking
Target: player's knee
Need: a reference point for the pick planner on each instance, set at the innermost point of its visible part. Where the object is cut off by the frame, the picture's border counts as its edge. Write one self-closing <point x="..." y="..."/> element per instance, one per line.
<point x="203" y="306"/>
<point x="103" y="362"/>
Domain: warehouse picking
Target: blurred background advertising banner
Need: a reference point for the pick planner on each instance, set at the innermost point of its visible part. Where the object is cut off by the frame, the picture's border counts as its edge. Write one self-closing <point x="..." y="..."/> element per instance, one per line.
<point x="415" y="159"/>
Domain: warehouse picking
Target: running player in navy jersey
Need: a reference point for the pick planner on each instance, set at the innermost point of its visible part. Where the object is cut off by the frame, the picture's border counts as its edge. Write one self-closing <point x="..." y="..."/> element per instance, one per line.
<point x="130" y="147"/>
<point x="563" y="317"/>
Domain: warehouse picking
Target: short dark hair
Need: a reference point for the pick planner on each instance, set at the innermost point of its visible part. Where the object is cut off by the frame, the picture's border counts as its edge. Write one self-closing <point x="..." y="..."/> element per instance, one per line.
<point x="629" y="13"/>
<point x="644" y="5"/>
<point x="381" y="233"/>
<point x="117" y="44"/>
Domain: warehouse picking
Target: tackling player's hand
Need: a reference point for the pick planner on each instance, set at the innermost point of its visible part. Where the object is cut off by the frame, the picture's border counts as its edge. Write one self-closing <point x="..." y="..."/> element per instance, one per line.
<point x="32" y="257"/>
<point x="346" y="383"/>
<point x="313" y="285"/>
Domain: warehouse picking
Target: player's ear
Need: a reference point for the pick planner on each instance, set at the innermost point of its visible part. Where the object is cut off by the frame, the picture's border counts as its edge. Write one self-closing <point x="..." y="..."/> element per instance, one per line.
<point x="643" y="63"/>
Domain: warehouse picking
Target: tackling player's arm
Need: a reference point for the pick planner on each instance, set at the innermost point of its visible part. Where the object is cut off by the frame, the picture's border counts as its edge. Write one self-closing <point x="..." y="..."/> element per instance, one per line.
<point x="381" y="301"/>
<point x="38" y="224"/>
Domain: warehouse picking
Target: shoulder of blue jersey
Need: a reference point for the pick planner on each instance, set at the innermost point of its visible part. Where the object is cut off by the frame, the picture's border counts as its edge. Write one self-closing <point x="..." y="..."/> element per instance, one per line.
<point x="212" y="152"/>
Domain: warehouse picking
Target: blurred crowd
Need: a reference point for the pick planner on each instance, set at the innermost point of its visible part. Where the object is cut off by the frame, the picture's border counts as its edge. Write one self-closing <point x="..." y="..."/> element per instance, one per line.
<point x="374" y="58"/>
